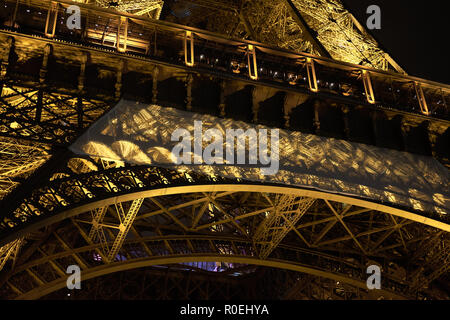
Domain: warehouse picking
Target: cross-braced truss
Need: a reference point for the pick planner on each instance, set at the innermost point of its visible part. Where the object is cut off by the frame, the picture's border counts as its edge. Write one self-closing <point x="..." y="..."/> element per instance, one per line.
<point x="190" y="283"/>
<point x="228" y="227"/>
<point x="18" y="159"/>
<point x="152" y="8"/>
<point x="107" y="217"/>
<point x="323" y="27"/>
<point x="45" y="115"/>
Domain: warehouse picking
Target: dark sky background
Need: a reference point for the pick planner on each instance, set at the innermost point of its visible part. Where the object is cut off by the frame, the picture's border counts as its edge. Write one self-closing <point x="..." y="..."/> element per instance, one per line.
<point x="414" y="33"/>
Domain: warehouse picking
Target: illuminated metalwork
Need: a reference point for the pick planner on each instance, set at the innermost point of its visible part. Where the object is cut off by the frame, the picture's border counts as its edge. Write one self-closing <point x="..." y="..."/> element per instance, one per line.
<point x="137" y="7"/>
<point x="18" y="160"/>
<point x="10" y="251"/>
<point x="279" y="222"/>
<point x="110" y="217"/>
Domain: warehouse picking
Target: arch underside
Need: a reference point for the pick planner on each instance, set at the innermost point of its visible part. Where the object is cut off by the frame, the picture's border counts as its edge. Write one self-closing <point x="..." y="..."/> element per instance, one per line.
<point x="127" y="220"/>
<point x="112" y="220"/>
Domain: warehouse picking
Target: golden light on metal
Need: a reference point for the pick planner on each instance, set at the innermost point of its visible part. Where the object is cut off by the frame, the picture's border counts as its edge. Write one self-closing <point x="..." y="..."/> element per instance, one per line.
<point x="251" y="60"/>
<point x="189" y="49"/>
<point x="117" y="205"/>
<point x="312" y="78"/>
<point x="52" y="15"/>
<point x="152" y="8"/>
<point x="421" y="98"/>
<point x="122" y="34"/>
<point x="368" y="87"/>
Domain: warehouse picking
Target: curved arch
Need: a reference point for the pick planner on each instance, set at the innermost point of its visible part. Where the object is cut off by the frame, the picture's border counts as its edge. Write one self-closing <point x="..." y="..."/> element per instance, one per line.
<point x="146" y="262"/>
<point x="245" y="187"/>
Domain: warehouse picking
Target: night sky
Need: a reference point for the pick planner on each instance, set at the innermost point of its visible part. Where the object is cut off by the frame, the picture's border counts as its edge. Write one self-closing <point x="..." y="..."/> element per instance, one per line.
<point x="414" y="33"/>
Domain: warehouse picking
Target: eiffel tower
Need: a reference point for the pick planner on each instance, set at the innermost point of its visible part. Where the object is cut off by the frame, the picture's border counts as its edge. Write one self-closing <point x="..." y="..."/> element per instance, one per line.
<point x="84" y="114"/>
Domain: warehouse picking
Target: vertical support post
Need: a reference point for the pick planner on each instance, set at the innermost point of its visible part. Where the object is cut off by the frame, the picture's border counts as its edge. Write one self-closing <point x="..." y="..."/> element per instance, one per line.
<point x="85" y="28"/>
<point x="251" y="60"/>
<point x="368" y="86"/>
<point x="189" y="49"/>
<point x="255" y="105"/>
<point x="52" y="16"/>
<point x="119" y="79"/>
<point x="443" y="99"/>
<point x="155" y="84"/>
<point x="6" y="56"/>
<point x="189" y="80"/>
<point x="421" y="98"/>
<point x="312" y="78"/>
<point x="345" y="110"/>
<point x="316" y="117"/>
<point x="158" y="13"/>
<point x="122" y="37"/>
<point x="222" y="99"/>
<point x="81" y="79"/>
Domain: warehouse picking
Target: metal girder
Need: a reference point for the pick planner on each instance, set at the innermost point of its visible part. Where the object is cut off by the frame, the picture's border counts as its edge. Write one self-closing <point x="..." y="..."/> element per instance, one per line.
<point x="340" y="36"/>
<point x="10" y="251"/>
<point x="436" y="262"/>
<point x="149" y="182"/>
<point x="282" y="219"/>
<point x="339" y="217"/>
<point x="18" y="160"/>
<point x="223" y="241"/>
<point x="203" y="252"/>
<point x="124" y="228"/>
<point x="97" y="232"/>
<point x="307" y="32"/>
<point x="59" y="120"/>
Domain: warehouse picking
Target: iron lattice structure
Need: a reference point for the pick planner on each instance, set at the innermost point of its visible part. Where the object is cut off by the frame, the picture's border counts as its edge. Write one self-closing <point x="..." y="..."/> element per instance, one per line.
<point x="321" y="27"/>
<point x="150" y="8"/>
<point x="300" y="65"/>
